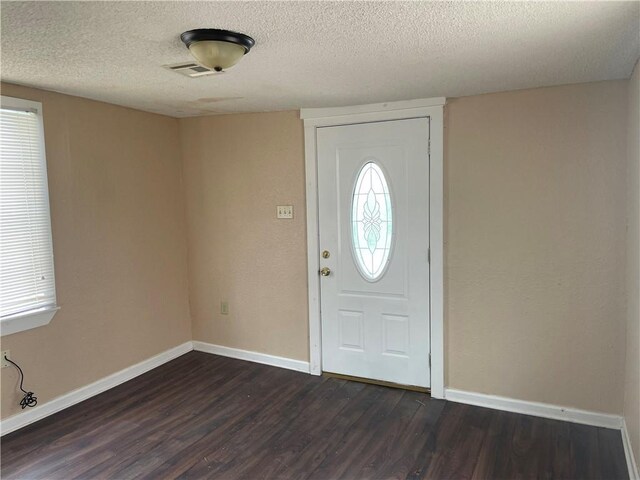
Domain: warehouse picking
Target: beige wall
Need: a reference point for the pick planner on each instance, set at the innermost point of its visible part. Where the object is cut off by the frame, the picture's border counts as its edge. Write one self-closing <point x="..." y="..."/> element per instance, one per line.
<point x="632" y="372"/>
<point x="237" y="168"/>
<point x="535" y="221"/>
<point x="535" y="239"/>
<point x="534" y="224"/>
<point x="119" y="244"/>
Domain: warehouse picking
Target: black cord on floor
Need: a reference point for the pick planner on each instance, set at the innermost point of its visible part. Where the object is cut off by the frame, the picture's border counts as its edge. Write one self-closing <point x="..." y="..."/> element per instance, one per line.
<point x="29" y="400"/>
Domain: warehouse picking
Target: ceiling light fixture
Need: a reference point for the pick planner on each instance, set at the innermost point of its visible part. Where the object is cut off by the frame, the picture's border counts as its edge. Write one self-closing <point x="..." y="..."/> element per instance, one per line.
<point x="217" y="49"/>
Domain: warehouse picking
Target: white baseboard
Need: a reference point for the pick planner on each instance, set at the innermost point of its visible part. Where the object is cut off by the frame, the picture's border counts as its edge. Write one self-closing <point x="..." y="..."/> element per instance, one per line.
<point x="282" y="362"/>
<point x="544" y="410"/>
<point x="628" y="452"/>
<point x="39" y="412"/>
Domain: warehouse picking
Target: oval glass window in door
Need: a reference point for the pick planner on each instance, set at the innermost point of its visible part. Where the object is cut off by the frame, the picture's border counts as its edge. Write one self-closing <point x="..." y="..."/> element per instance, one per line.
<point x="371" y="222"/>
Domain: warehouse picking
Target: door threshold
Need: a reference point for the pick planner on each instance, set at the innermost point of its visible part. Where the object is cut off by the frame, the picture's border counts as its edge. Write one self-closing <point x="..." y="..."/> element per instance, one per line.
<point x="382" y="383"/>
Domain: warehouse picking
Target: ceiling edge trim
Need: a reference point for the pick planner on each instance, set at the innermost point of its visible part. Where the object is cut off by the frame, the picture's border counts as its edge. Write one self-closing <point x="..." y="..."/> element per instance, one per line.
<point x="309" y="113"/>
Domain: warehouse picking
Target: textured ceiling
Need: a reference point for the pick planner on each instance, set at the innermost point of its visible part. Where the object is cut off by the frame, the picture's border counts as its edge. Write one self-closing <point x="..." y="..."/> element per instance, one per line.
<point x="312" y="54"/>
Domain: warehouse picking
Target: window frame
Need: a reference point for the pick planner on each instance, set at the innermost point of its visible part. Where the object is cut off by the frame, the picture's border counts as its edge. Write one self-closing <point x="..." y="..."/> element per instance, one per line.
<point x="38" y="317"/>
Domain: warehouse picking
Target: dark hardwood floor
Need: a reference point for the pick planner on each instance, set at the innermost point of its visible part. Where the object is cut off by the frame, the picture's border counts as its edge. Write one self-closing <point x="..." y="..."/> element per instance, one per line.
<point x="204" y="416"/>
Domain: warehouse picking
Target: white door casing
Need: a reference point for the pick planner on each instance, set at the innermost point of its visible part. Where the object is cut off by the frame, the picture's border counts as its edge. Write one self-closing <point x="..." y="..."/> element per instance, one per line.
<point x="316" y="118"/>
<point x="373" y="197"/>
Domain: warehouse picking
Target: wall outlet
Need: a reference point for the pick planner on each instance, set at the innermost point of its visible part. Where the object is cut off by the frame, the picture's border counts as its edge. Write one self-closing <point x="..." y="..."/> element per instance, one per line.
<point x="6" y="353"/>
<point x="224" y="308"/>
<point x="284" y="211"/>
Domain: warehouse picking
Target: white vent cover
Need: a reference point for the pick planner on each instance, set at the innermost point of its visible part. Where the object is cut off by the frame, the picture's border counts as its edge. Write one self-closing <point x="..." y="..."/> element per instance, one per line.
<point x="191" y="69"/>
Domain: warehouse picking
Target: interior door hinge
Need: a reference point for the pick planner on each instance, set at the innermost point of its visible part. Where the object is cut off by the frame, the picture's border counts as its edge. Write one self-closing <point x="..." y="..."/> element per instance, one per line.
<point x="429" y="360"/>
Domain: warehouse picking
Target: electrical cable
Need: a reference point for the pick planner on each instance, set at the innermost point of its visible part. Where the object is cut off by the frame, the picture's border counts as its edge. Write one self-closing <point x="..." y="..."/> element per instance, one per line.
<point x="29" y="399"/>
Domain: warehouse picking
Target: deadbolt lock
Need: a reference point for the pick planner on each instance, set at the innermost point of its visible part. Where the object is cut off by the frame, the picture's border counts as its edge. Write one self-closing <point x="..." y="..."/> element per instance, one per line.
<point x="326" y="254"/>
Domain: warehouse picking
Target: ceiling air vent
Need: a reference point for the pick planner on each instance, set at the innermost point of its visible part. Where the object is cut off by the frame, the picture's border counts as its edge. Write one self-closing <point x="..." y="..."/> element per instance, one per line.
<point x="191" y="69"/>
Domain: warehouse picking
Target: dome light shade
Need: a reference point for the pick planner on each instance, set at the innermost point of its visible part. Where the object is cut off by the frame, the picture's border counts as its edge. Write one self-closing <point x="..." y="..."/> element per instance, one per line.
<point x="217" y="49"/>
<point x="216" y="55"/>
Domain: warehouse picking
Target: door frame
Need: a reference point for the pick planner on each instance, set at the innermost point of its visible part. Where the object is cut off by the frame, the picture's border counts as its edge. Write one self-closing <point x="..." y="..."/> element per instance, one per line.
<point x="315" y="118"/>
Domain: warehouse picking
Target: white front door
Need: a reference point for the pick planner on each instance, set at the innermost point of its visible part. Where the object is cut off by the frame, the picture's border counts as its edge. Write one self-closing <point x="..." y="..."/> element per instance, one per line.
<point x="373" y="207"/>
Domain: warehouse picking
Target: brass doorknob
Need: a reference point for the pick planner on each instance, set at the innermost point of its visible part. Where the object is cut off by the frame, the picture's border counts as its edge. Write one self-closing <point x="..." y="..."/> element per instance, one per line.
<point x="325" y="271"/>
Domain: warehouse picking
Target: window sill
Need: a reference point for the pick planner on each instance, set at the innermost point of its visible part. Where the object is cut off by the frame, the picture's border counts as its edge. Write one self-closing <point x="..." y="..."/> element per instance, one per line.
<point x="26" y="320"/>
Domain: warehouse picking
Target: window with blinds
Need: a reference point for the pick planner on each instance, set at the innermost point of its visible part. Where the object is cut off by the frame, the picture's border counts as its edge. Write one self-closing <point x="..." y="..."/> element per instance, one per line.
<point x="27" y="282"/>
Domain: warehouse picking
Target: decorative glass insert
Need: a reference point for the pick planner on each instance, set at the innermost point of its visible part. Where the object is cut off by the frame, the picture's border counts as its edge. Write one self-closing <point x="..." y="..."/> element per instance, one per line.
<point x="371" y="221"/>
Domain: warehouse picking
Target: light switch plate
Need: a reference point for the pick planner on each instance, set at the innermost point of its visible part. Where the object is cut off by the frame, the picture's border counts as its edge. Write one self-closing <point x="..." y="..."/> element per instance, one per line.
<point x="284" y="211"/>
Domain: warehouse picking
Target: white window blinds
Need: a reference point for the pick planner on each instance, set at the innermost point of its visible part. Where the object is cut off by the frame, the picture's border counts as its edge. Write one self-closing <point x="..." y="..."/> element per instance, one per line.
<point x="26" y="250"/>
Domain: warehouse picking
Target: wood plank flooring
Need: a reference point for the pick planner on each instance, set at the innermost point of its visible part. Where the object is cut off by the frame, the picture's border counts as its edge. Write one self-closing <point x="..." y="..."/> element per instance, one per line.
<point x="204" y="416"/>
